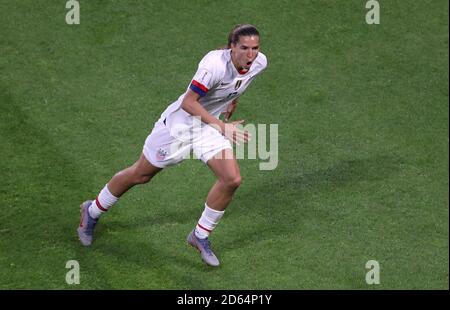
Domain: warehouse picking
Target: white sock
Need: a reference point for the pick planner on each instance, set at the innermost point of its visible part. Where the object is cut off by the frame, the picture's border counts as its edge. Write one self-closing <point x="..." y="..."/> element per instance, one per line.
<point x="207" y="222"/>
<point x="102" y="203"/>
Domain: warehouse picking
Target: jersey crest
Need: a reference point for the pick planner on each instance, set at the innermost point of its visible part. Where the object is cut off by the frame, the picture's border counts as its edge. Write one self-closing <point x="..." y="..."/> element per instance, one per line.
<point x="238" y="84"/>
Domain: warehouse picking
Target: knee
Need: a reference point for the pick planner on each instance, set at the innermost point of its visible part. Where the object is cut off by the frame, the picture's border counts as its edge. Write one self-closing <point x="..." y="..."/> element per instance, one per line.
<point x="233" y="182"/>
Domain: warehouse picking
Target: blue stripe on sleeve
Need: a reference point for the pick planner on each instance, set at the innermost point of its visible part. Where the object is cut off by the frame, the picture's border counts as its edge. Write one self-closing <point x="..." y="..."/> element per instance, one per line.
<point x="197" y="90"/>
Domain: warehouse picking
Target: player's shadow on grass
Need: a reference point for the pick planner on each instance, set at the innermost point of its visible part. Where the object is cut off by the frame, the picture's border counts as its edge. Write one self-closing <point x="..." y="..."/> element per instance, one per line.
<point x="345" y="173"/>
<point x="298" y="191"/>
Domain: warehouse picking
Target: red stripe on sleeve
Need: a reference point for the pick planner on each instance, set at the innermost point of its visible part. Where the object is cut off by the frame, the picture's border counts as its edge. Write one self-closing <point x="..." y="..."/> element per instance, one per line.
<point x="201" y="86"/>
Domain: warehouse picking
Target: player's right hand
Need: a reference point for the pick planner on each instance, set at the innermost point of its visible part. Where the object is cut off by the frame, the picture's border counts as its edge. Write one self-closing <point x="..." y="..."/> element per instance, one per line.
<point x="229" y="111"/>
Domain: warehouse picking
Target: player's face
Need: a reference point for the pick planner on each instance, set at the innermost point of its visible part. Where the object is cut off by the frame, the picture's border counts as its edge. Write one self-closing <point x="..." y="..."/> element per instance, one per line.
<point x="245" y="51"/>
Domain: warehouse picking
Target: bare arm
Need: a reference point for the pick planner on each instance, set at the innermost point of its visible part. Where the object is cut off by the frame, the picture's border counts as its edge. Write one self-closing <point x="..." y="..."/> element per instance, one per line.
<point x="191" y="105"/>
<point x="230" y="110"/>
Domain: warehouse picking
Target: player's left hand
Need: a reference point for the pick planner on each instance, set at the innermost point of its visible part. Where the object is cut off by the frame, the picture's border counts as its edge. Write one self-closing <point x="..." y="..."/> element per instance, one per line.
<point x="229" y="111"/>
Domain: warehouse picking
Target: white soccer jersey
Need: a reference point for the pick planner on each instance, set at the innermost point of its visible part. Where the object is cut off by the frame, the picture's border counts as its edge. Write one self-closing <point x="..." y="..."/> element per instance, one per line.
<point x="218" y="83"/>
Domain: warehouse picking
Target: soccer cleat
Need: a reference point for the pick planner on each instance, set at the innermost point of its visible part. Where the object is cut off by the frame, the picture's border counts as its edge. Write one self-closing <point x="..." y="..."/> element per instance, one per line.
<point x="204" y="247"/>
<point x="87" y="224"/>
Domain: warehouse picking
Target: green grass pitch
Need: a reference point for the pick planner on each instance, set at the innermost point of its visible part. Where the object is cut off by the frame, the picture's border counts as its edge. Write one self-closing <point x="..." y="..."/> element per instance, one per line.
<point x="363" y="141"/>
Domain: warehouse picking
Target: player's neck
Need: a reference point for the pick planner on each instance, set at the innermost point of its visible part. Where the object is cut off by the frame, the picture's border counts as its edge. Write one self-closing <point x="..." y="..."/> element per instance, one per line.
<point x="242" y="70"/>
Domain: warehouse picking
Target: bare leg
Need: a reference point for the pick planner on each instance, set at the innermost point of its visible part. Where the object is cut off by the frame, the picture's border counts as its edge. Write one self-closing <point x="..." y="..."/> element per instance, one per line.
<point x="228" y="180"/>
<point x="139" y="173"/>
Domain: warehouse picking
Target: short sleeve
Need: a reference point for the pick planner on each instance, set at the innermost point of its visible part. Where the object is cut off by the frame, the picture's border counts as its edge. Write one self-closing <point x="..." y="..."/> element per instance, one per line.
<point x="202" y="81"/>
<point x="209" y="73"/>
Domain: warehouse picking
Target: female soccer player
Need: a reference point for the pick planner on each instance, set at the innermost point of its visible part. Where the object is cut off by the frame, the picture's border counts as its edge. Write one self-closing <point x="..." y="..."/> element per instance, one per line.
<point x="192" y="123"/>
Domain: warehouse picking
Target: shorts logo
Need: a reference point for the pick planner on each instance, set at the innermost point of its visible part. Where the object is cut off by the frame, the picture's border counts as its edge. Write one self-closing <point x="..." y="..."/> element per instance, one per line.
<point x="161" y="154"/>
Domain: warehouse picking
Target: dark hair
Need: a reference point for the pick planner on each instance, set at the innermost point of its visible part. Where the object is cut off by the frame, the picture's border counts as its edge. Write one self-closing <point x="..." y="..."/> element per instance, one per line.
<point x="241" y="30"/>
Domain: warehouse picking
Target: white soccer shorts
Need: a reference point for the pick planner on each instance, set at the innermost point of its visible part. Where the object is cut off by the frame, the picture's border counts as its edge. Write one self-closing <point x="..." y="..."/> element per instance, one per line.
<point x="165" y="147"/>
